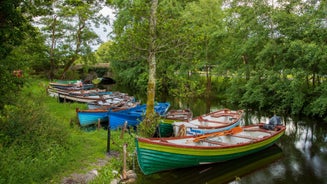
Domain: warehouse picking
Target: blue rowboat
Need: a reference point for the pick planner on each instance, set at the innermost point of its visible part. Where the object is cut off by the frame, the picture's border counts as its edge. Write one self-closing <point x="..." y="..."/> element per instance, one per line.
<point x="134" y="116"/>
<point x="92" y="116"/>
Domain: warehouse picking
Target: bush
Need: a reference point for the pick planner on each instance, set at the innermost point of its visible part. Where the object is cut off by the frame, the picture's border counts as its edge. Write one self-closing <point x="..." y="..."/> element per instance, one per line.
<point x="33" y="144"/>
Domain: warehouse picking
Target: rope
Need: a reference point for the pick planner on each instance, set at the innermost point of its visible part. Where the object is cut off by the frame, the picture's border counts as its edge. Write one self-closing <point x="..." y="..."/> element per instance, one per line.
<point x="181" y="131"/>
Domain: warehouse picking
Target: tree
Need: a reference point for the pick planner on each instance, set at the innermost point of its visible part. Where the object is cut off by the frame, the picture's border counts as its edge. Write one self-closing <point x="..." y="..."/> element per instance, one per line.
<point x="205" y="19"/>
<point x="15" y="27"/>
<point x="80" y="36"/>
<point x="271" y="55"/>
<point x="152" y="63"/>
<point x="70" y="33"/>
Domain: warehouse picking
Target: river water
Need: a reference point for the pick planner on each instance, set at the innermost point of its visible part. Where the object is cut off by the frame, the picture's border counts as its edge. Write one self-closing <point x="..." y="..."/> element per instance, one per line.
<point x="299" y="157"/>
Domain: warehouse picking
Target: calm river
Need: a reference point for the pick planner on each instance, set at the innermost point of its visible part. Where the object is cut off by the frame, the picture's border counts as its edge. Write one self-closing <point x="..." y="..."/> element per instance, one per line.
<point x="299" y="157"/>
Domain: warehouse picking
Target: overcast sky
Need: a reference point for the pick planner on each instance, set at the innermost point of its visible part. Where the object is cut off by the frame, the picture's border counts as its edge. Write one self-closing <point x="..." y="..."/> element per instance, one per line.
<point x="106" y="11"/>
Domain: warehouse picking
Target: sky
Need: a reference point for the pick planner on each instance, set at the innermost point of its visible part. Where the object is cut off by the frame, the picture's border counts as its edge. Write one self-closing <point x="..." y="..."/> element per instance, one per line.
<point x="106" y="11"/>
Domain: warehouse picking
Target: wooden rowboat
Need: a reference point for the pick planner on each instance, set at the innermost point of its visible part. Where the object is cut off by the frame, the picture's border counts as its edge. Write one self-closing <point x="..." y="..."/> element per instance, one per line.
<point x="117" y="99"/>
<point x="160" y="154"/>
<point x="215" y="121"/>
<point x="134" y="116"/>
<point x="101" y="115"/>
<point x="70" y="85"/>
<point x="224" y="172"/>
<point x="91" y="117"/>
<point x="179" y="114"/>
<point x="165" y="127"/>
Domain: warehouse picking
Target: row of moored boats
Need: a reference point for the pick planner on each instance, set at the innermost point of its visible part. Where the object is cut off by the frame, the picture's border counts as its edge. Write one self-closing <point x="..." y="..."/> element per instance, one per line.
<point x="181" y="140"/>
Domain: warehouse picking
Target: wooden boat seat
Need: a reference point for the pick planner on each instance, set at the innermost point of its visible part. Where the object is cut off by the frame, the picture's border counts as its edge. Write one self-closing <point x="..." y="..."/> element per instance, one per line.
<point x="260" y="130"/>
<point x="162" y="140"/>
<point x="221" y="115"/>
<point x="245" y="137"/>
<point x="216" y="142"/>
<point x="201" y="119"/>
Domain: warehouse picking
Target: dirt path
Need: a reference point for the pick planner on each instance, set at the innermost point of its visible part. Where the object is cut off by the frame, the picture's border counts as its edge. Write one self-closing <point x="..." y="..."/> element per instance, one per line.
<point x="77" y="178"/>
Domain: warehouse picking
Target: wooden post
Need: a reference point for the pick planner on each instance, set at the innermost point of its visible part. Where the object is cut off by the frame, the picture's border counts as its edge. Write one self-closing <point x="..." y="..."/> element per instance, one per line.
<point x="71" y="123"/>
<point x="124" y="160"/>
<point x="123" y="130"/>
<point x="99" y="124"/>
<point x="78" y="122"/>
<point x="108" y="137"/>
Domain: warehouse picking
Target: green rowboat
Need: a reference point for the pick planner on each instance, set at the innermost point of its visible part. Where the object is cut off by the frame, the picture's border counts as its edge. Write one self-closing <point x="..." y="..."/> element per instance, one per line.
<point x="160" y="154"/>
<point x="224" y="172"/>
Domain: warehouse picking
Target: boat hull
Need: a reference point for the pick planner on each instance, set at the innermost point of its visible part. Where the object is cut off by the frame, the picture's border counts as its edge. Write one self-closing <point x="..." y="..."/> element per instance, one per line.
<point x="87" y="118"/>
<point x="217" y="121"/>
<point x="134" y="116"/>
<point x="200" y="131"/>
<point x="117" y="119"/>
<point x="161" y="156"/>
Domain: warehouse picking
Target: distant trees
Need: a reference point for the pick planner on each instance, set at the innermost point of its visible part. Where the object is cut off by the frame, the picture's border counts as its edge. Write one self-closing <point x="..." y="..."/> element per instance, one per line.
<point x="17" y="38"/>
<point x="45" y="37"/>
<point x="278" y="49"/>
<point x="70" y="34"/>
<point x="270" y="55"/>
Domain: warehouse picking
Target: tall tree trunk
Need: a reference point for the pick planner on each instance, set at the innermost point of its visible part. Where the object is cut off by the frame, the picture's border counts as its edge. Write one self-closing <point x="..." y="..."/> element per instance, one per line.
<point x="208" y="72"/>
<point x="77" y="49"/>
<point x="152" y="63"/>
<point x="247" y="69"/>
<point x="53" y="45"/>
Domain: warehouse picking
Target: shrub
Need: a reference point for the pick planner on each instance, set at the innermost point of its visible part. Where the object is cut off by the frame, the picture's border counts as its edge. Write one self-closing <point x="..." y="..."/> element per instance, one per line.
<point x="33" y="144"/>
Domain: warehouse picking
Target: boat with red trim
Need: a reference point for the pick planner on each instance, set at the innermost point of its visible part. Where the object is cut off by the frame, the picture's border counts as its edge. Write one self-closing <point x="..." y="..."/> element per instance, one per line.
<point x="160" y="154"/>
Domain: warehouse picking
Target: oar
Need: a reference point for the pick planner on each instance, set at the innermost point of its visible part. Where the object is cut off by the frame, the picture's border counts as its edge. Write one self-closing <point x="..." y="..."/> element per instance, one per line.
<point x="227" y="132"/>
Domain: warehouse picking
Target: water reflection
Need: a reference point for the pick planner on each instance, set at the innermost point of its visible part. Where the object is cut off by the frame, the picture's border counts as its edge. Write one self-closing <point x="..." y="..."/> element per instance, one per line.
<point x="304" y="143"/>
<point x="304" y="148"/>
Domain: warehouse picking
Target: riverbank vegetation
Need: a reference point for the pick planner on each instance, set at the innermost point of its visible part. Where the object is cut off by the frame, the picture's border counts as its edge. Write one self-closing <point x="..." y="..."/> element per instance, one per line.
<point x="41" y="142"/>
<point x="271" y="55"/>
<point x="267" y="56"/>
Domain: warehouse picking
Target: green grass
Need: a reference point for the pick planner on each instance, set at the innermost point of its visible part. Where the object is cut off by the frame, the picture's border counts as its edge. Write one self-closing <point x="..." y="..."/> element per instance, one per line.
<point x="54" y="146"/>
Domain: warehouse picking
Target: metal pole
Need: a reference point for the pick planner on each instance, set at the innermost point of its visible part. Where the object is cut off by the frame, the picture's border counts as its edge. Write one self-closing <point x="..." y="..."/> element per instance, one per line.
<point x="108" y="140"/>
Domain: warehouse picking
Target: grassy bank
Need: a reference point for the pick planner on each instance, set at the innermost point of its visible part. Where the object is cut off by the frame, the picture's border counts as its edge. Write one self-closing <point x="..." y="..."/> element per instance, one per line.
<point x="41" y="142"/>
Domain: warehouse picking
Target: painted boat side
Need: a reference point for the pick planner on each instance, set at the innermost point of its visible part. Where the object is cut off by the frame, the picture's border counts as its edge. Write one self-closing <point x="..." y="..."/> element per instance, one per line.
<point x="199" y="131"/>
<point x="134" y="116"/>
<point x="216" y="121"/>
<point x="117" y="119"/>
<point x="89" y="118"/>
<point x="159" y="156"/>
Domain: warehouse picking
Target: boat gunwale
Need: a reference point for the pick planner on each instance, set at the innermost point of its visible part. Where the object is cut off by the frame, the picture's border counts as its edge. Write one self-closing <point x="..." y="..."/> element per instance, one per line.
<point x="237" y="113"/>
<point x="215" y="127"/>
<point x="179" y="114"/>
<point x="219" y="112"/>
<point x="157" y="141"/>
<point x="92" y="110"/>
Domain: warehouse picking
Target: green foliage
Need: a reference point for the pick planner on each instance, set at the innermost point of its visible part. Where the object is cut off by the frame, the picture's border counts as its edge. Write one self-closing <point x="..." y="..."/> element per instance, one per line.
<point x="183" y="87"/>
<point x="113" y="169"/>
<point x="14" y="26"/>
<point x="38" y="143"/>
<point x="70" y="75"/>
<point x="318" y="107"/>
<point x="271" y="59"/>
<point x="31" y="138"/>
<point x="148" y="126"/>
